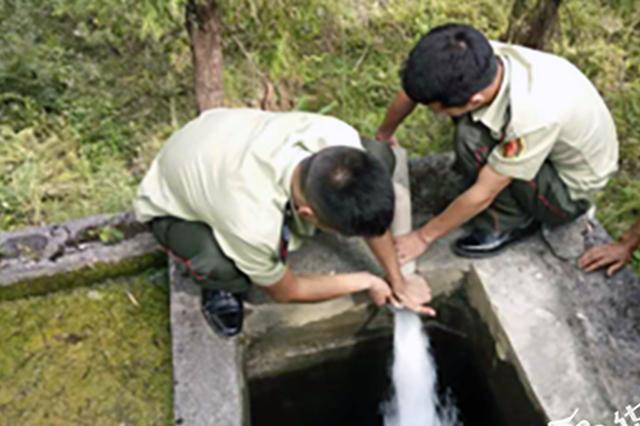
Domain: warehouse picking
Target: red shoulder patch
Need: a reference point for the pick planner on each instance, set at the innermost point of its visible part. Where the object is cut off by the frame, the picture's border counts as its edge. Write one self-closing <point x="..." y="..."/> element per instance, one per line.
<point x="512" y="148"/>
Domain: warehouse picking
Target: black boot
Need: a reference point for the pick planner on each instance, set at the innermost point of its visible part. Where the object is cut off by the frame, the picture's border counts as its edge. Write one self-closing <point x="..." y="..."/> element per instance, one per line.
<point x="479" y="243"/>
<point x="223" y="311"/>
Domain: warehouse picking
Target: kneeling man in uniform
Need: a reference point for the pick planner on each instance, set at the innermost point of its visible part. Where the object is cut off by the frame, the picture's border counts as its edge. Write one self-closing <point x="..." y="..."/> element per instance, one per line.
<point x="534" y="139"/>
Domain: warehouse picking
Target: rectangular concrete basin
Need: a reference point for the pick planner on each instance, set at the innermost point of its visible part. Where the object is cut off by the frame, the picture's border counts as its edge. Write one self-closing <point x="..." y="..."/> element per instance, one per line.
<point x="335" y="370"/>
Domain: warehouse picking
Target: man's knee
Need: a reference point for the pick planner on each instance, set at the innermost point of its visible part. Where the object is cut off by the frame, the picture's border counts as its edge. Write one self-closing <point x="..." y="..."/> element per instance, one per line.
<point x="548" y="200"/>
<point x="196" y="252"/>
<point x="236" y="285"/>
<point x="212" y="269"/>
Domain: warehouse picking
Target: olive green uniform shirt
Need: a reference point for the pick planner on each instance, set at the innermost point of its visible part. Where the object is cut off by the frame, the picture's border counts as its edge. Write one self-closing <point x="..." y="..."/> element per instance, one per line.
<point x="232" y="169"/>
<point x="546" y="109"/>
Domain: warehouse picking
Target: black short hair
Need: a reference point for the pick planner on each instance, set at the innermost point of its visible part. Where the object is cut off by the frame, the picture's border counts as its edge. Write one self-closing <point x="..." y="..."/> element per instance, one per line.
<point x="349" y="190"/>
<point x="449" y="65"/>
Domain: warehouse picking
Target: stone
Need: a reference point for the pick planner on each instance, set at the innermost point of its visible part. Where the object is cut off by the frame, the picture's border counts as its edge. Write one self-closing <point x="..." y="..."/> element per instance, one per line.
<point x="37" y="260"/>
<point x="434" y="184"/>
<point x="567" y="241"/>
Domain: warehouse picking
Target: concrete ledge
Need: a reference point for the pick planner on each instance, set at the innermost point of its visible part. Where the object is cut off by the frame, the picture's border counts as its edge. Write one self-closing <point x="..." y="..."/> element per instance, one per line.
<point x="572" y="337"/>
<point x="209" y="386"/>
<point x="38" y="260"/>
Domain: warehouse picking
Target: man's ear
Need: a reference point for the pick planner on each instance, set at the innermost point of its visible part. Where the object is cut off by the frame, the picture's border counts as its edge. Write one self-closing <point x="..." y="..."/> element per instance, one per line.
<point x="477" y="100"/>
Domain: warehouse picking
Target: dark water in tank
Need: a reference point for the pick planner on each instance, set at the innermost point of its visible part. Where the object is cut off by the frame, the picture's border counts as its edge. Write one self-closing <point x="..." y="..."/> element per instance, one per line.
<point x="349" y="391"/>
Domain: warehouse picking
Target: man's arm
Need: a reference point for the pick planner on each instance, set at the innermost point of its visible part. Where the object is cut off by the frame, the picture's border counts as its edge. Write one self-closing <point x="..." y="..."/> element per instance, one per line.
<point x="383" y="249"/>
<point x="612" y="255"/>
<point x="471" y="202"/>
<point x="294" y="287"/>
<point x="400" y="108"/>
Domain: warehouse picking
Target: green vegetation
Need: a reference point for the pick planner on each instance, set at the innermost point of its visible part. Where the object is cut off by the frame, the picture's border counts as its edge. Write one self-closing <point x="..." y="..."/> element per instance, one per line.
<point x="90" y="90"/>
<point x="96" y="355"/>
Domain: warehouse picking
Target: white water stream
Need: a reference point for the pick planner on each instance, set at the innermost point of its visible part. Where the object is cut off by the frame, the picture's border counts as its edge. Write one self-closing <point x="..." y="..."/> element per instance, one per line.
<point x="415" y="399"/>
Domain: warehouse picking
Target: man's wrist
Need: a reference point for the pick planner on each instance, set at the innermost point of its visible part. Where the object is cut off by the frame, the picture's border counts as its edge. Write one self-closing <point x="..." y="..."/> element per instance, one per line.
<point x="630" y="244"/>
<point x="631" y="238"/>
<point x="384" y="133"/>
<point x="396" y="282"/>
<point x="428" y="234"/>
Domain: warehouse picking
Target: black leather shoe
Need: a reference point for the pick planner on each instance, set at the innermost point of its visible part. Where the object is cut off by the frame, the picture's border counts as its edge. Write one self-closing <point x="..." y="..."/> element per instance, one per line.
<point x="223" y="311"/>
<point x="484" y="244"/>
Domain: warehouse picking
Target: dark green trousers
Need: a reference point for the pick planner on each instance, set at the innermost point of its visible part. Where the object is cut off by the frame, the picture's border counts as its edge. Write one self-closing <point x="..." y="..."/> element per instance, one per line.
<point x="197" y="253"/>
<point x="545" y="198"/>
<point x="382" y="152"/>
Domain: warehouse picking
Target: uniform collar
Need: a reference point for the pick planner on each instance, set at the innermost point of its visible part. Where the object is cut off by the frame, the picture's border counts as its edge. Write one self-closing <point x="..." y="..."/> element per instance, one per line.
<point x="295" y="156"/>
<point x="495" y="115"/>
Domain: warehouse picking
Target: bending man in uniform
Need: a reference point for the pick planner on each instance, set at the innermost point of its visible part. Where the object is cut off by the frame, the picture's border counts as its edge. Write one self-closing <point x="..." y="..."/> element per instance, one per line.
<point x="230" y="194"/>
<point x="534" y="139"/>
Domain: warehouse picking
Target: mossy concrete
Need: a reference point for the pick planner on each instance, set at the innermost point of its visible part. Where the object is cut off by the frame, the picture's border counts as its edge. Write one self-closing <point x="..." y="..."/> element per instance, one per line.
<point x="94" y="355"/>
<point x="39" y="260"/>
<point x="83" y="276"/>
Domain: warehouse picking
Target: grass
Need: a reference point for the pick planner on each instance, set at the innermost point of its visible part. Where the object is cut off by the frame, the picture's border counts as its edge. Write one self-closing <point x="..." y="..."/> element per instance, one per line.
<point x="97" y="355"/>
<point x="88" y="97"/>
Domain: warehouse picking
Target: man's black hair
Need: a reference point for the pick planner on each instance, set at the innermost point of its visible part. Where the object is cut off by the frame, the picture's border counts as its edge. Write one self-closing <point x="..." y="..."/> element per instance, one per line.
<point x="349" y="190"/>
<point x="449" y="65"/>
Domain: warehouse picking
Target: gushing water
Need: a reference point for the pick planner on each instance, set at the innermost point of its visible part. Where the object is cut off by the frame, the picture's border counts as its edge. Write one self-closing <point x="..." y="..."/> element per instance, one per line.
<point x="415" y="400"/>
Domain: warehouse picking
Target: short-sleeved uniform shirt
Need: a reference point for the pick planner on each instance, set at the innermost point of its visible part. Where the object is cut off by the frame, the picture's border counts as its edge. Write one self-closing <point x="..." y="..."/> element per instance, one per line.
<point x="546" y="109"/>
<point x="232" y="169"/>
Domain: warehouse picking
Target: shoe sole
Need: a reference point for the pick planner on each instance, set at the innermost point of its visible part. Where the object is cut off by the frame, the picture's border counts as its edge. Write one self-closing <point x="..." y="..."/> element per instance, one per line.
<point x="220" y="329"/>
<point x="479" y="254"/>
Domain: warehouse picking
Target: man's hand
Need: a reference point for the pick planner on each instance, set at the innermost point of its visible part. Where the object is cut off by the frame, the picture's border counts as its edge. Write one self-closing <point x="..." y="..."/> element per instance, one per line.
<point x="410" y="246"/>
<point x="612" y="255"/>
<point x="415" y="294"/>
<point x="379" y="291"/>
<point x="384" y="136"/>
